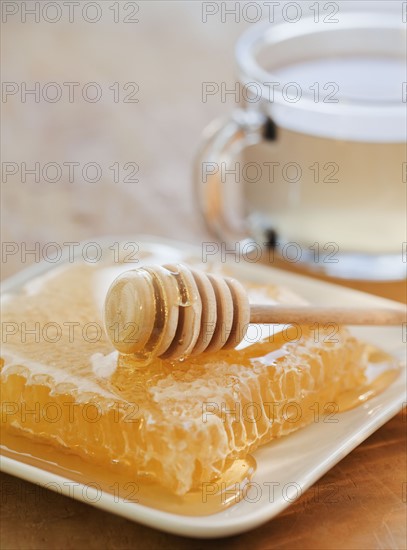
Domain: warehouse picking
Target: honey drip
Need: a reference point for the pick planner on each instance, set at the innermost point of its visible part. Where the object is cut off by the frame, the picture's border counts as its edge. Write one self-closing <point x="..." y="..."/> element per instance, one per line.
<point x="215" y="496"/>
<point x="382" y="372"/>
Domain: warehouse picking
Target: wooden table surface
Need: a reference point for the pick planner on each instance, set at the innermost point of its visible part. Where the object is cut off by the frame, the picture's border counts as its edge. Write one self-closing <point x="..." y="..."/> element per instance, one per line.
<point x="169" y="53"/>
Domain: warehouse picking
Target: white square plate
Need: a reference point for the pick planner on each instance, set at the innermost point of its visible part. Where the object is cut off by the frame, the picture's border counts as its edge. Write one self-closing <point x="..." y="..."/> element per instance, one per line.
<point x="286" y="467"/>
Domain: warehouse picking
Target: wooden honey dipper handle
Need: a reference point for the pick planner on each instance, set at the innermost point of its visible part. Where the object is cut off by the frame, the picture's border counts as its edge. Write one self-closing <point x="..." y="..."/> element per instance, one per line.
<point x="304" y="315"/>
<point x="173" y="311"/>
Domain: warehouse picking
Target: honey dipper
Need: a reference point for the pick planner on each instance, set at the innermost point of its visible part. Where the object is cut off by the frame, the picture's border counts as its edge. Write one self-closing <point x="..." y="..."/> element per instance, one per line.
<point x="172" y="311"/>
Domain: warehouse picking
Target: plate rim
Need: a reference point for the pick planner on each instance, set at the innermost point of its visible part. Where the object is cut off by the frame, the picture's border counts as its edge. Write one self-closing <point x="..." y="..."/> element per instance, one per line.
<point x="199" y="526"/>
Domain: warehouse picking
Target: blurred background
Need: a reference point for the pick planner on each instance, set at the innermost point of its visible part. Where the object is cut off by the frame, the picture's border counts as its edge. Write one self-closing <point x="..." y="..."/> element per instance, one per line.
<point x="150" y="114"/>
<point x="104" y="107"/>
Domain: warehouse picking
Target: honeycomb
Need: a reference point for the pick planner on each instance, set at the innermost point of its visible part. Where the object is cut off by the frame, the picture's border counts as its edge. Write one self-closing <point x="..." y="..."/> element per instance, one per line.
<point x="179" y="423"/>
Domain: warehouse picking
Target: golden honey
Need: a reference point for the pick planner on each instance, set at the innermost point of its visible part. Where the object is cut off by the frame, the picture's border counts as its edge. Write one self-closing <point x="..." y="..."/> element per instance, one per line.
<point x="175" y="430"/>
